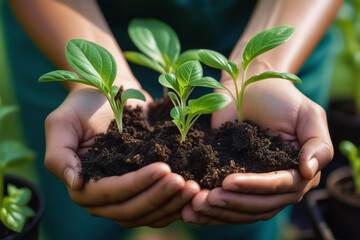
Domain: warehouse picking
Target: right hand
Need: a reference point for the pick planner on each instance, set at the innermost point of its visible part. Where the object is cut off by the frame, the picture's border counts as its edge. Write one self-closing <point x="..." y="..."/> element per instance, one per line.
<point x="151" y="196"/>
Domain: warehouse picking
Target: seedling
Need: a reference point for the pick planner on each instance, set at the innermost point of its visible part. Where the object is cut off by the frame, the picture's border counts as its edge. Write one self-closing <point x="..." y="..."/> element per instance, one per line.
<point x="14" y="211"/>
<point x="159" y="46"/>
<point x="259" y="44"/>
<point x="351" y="152"/>
<point x="98" y="69"/>
<point x="187" y="77"/>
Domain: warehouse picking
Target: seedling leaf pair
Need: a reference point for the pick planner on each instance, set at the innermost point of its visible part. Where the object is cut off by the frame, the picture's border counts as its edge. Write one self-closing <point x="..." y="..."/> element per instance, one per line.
<point x="188" y="76"/>
<point x="351" y="152"/>
<point x="98" y="69"/>
<point x="259" y="44"/>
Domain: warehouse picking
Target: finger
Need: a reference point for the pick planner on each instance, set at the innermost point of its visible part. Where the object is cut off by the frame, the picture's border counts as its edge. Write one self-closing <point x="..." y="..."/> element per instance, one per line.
<point x="61" y="146"/>
<point x="219" y="202"/>
<point x="119" y="188"/>
<point x="314" y="155"/>
<point x="173" y="206"/>
<point x="312" y="131"/>
<point x="189" y="215"/>
<point x="143" y="203"/>
<point x="285" y="181"/>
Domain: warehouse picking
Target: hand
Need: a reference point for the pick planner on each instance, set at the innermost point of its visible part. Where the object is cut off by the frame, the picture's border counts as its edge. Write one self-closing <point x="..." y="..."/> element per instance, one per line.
<point x="246" y="198"/>
<point x="150" y="196"/>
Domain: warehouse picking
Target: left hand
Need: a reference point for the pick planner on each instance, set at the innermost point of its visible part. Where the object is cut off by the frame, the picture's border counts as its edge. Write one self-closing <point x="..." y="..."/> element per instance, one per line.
<point x="248" y="197"/>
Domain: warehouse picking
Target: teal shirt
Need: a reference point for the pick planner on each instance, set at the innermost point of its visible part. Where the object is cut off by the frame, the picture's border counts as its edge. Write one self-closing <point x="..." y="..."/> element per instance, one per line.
<point x="213" y="24"/>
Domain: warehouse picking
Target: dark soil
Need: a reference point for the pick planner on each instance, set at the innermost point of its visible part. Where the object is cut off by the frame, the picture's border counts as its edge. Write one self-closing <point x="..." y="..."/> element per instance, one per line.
<point x="346" y="189"/>
<point x="206" y="156"/>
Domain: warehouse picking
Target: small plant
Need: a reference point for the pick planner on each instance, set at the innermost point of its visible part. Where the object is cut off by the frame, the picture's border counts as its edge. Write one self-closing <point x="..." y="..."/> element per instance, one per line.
<point x="259" y="44"/>
<point x="187" y="77"/>
<point x="351" y="152"/>
<point x="14" y="211"/>
<point x="159" y="46"/>
<point x="98" y="69"/>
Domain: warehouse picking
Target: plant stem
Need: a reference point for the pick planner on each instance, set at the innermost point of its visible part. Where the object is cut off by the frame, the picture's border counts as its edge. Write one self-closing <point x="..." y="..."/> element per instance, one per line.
<point x="240" y="97"/>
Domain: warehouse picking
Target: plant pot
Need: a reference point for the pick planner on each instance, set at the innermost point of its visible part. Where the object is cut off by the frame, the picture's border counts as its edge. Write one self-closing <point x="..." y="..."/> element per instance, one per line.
<point x="344" y="124"/>
<point x="37" y="203"/>
<point x="336" y="215"/>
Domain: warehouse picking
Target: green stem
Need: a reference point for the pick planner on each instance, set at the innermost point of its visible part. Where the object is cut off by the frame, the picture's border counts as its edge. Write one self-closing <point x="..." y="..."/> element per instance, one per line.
<point x="240" y="97"/>
<point x="183" y="123"/>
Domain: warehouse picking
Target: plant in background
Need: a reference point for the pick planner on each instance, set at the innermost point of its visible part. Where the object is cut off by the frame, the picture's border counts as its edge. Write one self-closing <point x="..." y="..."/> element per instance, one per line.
<point x="98" y="69"/>
<point x="187" y="77"/>
<point x="259" y="44"/>
<point x="351" y="152"/>
<point x="159" y="46"/>
<point x="14" y="211"/>
<point x="348" y="20"/>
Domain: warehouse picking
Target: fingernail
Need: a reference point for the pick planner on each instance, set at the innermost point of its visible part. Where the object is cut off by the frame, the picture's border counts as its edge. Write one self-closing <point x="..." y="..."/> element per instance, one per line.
<point x="69" y="175"/>
<point x="314" y="166"/>
<point x="233" y="187"/>
<point x="220" y="203"/>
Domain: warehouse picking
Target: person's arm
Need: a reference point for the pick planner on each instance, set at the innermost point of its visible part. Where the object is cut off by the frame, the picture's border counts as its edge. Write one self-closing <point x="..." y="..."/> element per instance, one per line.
<point x="277" y="105"/>
<point x="51" y="23"/>
<point x="151" y="196"/>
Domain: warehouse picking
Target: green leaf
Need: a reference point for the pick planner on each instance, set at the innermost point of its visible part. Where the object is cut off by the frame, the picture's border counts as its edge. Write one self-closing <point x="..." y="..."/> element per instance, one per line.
<point x="143" y="60"/>
<point x="208" y="103"/>
<point x="264" y="41"/>
<point x="14" y="216"/>
<point x="214" y="59"/>
<point x="20" y="196"/>
<point x="62" y="75"/>
<point x="133" y="94"/>
<point x="269" y="74"/>
<point x="188" y="72"/>
<point x="114" y="91"/>
<point x="6" y="110"/>
<point x="234" y="70"/>
<point x="92" y="61"/>
<point x="348" y="149"/>
<point x="186" y="56"/>
<point x="208" y="82"/>
<point x="169" y="80"/>
<point x="155" y="39"/>
<point x="176" y="112"/>
<point x="14" y="153"/>
<point x="174" y="98"/>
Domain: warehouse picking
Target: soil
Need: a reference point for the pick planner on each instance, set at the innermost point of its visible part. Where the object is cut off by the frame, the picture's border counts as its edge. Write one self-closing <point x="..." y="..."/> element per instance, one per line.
<point x="346" y="188"/>
<point x="207" y="156"/>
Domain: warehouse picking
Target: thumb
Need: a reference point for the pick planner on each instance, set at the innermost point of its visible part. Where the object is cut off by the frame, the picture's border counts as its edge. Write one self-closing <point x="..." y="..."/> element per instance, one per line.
<point x="61" y="147"/>
<point x="315" y="154"/>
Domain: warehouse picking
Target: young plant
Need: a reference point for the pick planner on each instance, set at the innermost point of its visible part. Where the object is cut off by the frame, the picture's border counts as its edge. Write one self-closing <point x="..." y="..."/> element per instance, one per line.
<point x="97" y="68"/>
<point x="14" y="211"/>
<point x="187" y="77"/>
<point x="159" y="46"/>
<point x="351" y="152"/>
<point x="259" y="44"/>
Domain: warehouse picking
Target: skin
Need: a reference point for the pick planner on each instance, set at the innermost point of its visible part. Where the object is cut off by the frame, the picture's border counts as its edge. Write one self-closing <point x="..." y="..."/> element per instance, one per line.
<point x="246" y="198"/>
<point x="154" y="196"/>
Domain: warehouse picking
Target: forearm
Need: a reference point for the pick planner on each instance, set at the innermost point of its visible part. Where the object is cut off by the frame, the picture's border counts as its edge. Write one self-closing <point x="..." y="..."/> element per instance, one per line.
<point x="51" y="23"/>
<point x="310" y="19"/>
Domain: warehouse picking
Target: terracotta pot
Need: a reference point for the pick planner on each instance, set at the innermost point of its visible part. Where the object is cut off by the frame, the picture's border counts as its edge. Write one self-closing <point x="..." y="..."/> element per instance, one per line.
<point x="37" y="203"/>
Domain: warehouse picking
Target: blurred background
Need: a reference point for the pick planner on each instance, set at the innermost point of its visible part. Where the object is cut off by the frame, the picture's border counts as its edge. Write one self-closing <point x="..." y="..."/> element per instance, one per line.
<point x="345" y="87"/>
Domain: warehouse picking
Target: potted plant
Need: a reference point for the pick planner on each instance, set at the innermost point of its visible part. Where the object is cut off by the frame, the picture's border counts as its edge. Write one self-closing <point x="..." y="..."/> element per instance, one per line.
<point x="21" y="203"/>
<point x="336" y="210"/>
<point x="189" y="148"/>
<point x="344" y="109"/>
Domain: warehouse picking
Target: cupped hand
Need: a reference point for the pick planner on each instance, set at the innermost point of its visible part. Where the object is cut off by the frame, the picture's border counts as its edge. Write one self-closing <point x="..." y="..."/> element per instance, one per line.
<point x="245" y="198"/>
<point x="150" y="196"/>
